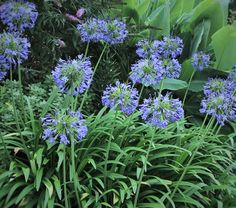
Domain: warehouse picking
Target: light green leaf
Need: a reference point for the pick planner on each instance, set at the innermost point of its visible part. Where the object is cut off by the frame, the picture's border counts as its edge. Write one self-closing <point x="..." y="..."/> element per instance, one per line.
<point x="49" y="186"/>
<point x="26" y="172"/>
<point x="172" y="84"/>
<point x="224" y="44"/>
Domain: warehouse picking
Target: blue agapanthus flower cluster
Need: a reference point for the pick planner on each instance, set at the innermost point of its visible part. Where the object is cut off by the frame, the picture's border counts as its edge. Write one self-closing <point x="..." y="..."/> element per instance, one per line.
<point x="200" y="60"/>
<point x="64" y="125"/>
<point x="152" y="71"/>
<point x="220" y="100"/>
<point x="74" y="75"/>
<point x="158" y="61"/>
<point x="110" y="31"/>
<point x="121" y="96"/>
<point x="169" y="47"/>
<point x="18" y="15"/>
<point x="13" y="50"/>
<point x="161" y="111"/>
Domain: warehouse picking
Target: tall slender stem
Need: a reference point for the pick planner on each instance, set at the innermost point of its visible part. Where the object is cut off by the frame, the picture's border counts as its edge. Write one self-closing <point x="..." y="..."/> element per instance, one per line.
<point x="75" y="178"/>
<point x="74" y="104"/>
<point x="21" y="92"/>
<point x="143" y="169"/>
<point x="108" y="149"/>
<point x="94" y="71"/>
<point x="160" y="90"/>
<point x="64" y="179"/>
<point x="190" y="80"/>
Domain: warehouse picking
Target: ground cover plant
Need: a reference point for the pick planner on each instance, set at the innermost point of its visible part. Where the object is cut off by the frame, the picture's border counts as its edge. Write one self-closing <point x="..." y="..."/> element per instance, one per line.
<point x="118" y="103"/>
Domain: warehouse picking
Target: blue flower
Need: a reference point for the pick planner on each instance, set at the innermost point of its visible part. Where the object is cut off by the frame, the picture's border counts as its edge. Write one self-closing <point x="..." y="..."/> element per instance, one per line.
<point x="13" y="50"/>
<point x="64" y="125"/>
<point x="161" y="111"/>
<point x="110" y="31"/>
<point x="18" y="15"/>
<point x="219" y="100"/>
<point x="2" y="75"/>
<point x="169" y="47"/>
<point x="200" y="60"/>
<point x="74" y="75"/>
<point x="217" y="86"/>
<point x="152" y="71"/>
<point x="221" y="107"/>
<point x="144" y="49"/>
<point x="121" y="96"/>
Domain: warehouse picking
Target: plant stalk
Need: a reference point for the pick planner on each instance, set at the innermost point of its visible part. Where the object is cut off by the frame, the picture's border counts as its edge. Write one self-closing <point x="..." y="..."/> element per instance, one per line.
<point x="143" y="169"/>
<point x="186" y="92"/>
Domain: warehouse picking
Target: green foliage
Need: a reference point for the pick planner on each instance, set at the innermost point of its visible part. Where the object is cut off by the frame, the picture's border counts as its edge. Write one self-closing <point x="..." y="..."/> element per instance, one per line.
<point x="184" y="165"/>
<point x="224" y="42"/>
<point x="37" y="170"/>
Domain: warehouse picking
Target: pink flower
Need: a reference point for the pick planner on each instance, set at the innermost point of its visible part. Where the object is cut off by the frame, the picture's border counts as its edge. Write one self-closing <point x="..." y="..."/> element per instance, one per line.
<point x="61" y="43"/>
<point x="72" y="18"/>
<point x="80" y="12"/>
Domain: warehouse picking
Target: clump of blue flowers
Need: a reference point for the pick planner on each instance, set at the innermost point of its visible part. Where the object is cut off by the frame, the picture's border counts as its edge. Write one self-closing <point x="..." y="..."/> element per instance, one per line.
<point x="169" y="47"/>
<point x="220" y="100"/>
<point x="220" y="107"/>
<point x="152" y="71"/>
<point x="158" y="61"/>
<point x="110" y="31"/>
<point x="161" y="111"/>
<point x="121" y="96"/>
<point x="13" y="50"/>
<point x="18" y="15"/>
<point x="74" y="75"/>
<point x="200" y="60"/>
<point x="217" y="86"/>
<point x="64" y="125"/>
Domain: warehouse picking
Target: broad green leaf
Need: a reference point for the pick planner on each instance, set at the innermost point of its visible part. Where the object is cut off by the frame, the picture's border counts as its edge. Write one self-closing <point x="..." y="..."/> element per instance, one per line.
<point x="213" y="10"/>
<point x="180" y="7"/>
<point x="197" y="38"/>
<point x="172" y="84"/>
<point x="224" y="44"/>
<point x="197" y="85"/>
<point x="159" y="19"/>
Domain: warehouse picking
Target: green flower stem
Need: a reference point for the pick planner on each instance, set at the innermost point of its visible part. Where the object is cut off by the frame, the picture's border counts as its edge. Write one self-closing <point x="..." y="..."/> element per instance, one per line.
<point x="75" y="178"/>
<point x="160" y="90"/>
<point x="5" y="147"/>
<point x="108" y="150"/>
<point x="192" y="156"/>
<point x="190" y="80"/>
<point x="86" y="50"/>
<point x="16" y="116"/>
<point x="141" y="92"/>
<point x="21" y="93"/>
<point x="143" y="169"/>
<point x="94" y="71"/>
<point x="64" y="179"/>
<point x="74" y="105"/>
<point x="218" y="130"/>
